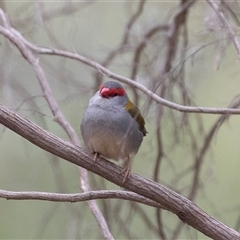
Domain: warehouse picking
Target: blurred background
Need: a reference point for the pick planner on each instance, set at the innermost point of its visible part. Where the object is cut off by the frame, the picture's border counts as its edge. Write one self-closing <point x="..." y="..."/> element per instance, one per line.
<point x="180" y="51"/>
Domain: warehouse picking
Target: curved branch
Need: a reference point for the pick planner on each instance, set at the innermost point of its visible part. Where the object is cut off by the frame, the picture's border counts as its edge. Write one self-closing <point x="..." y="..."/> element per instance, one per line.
<point x="132" y="20"/>
<point x="78" y="197"/>
<point x="186" y="210"/>
<point x="178" y="21"/>
<point x="103" y="70"/>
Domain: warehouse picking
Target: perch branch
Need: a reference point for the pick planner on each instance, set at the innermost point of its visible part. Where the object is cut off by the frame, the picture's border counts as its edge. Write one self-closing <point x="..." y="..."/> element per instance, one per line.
<point x="186" y="210"/>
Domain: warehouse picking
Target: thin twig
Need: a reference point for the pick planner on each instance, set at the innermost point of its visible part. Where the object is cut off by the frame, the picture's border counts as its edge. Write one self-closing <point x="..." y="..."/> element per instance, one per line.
<point x="228" y="26"/>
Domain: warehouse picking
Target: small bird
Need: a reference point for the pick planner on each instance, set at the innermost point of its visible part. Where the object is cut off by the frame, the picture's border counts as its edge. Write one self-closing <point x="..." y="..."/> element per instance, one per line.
<point x="112" y="125"/>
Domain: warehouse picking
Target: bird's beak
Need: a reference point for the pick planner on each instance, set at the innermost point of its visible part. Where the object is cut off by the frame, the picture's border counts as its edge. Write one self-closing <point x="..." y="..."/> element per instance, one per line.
<point x="104" y="91"/>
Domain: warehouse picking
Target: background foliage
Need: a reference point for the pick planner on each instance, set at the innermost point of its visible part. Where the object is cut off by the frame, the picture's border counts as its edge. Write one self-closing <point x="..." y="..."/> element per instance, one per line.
<point x="203" y="71"/>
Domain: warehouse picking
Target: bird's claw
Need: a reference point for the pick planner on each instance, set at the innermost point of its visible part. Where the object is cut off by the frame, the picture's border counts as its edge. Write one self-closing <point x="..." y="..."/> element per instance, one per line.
<point x="95" y="156"/>
<point x="126" y="170"/>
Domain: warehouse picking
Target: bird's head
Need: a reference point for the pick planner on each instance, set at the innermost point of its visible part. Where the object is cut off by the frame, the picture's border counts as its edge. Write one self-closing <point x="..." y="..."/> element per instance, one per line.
<point x="111" y="89"/>
<point x="115" y="92"/>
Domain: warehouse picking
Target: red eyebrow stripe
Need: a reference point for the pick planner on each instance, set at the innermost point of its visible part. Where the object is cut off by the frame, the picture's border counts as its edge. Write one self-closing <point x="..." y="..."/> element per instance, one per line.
<point x="111" y="92"/>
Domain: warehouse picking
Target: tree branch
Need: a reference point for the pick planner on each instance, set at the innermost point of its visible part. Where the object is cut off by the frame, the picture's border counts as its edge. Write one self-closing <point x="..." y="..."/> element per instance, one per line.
<point x="186" y="210"/>
<point x="26" y="52"/>
<point x="78" y="197"/>
<point x="120" y="78"/>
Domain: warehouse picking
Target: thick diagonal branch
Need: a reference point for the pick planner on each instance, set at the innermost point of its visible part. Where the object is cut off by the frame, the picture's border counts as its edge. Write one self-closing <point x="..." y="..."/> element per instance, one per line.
<point x="186" y="210"/>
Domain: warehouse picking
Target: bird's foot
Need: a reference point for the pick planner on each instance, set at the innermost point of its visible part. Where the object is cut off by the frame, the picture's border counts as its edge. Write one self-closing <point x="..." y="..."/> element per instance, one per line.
<point x="126" y="170"/>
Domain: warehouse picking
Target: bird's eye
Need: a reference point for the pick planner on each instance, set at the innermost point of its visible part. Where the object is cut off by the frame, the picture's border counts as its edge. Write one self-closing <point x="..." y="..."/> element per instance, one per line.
<point x="115" y="94"/>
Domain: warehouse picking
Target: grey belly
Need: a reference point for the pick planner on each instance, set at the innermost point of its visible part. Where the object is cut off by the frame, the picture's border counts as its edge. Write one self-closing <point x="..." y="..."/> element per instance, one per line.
<point x="111" y="142"/>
